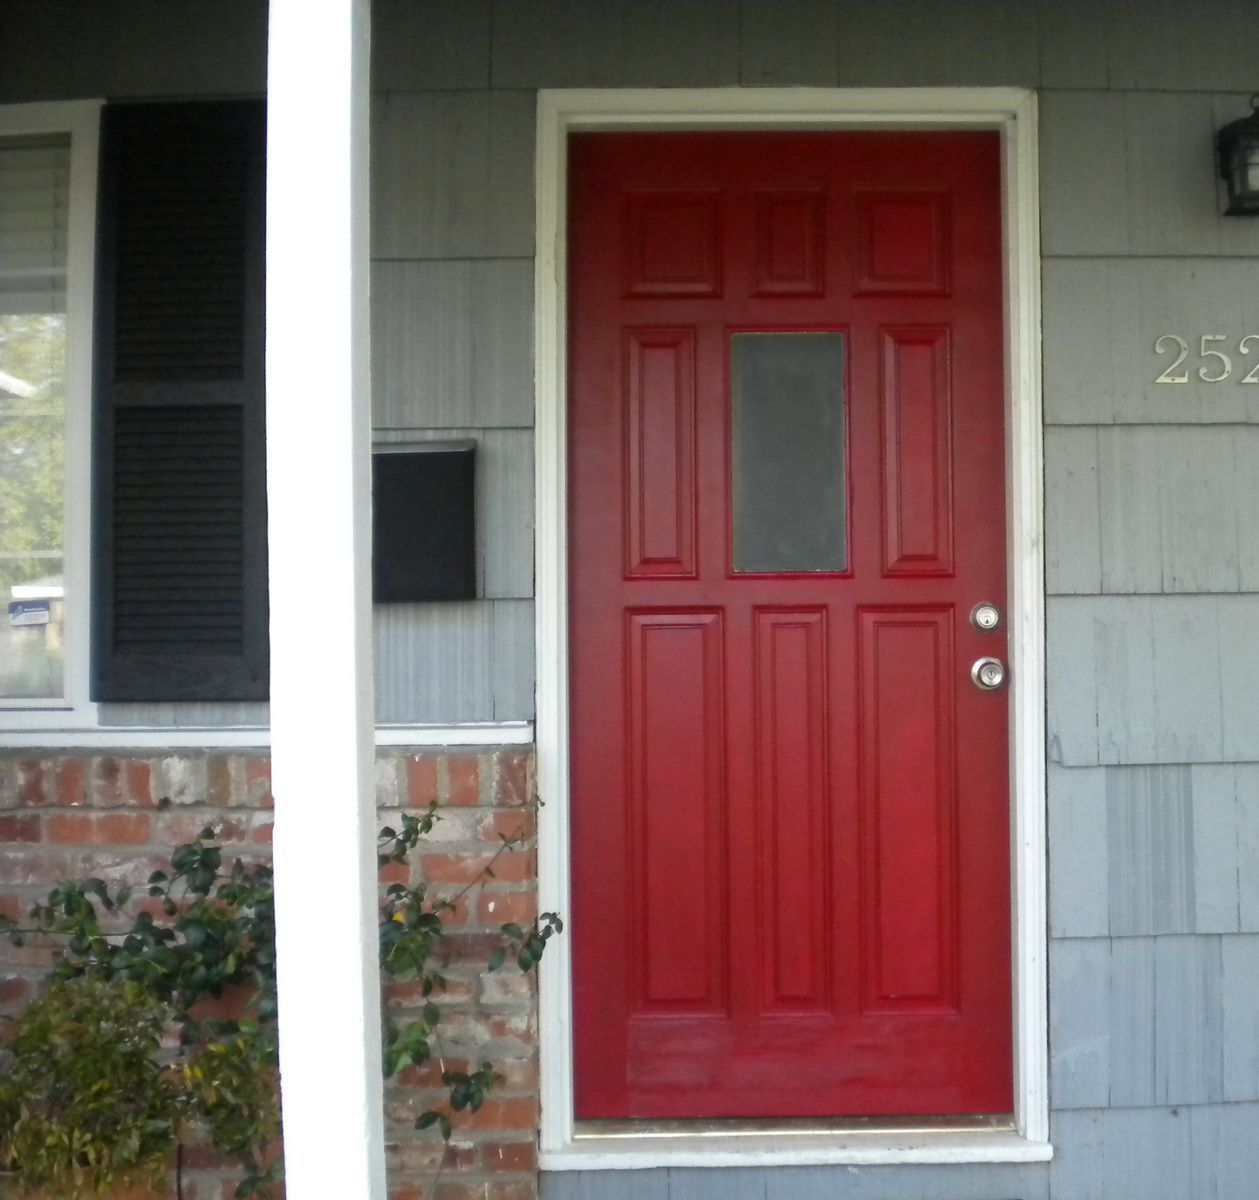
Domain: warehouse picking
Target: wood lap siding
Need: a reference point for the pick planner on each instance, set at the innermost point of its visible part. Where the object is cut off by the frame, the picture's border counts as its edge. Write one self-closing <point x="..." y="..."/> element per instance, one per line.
<point x="180" y="539"/>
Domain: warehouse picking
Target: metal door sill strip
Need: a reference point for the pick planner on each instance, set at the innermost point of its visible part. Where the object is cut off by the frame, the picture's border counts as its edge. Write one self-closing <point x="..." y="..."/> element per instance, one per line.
<point x="632" y="1145"/>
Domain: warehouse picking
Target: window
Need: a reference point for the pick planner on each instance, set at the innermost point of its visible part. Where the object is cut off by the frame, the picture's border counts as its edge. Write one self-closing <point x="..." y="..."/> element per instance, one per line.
<point x="47" y="202"/>
<point x="132" y="487"/>
<point x="34" y="195"/>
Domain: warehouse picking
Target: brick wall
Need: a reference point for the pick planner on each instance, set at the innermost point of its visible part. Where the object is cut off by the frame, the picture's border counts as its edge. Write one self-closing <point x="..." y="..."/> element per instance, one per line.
<point x="118" y="816"/>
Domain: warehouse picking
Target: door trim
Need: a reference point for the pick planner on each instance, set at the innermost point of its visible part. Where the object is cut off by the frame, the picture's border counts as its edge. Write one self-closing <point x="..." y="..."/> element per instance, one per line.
<point x="1013" y="113"/>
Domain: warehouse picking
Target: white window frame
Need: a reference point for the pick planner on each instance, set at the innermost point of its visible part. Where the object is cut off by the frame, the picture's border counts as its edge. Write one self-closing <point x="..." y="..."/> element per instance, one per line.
<point x="81" y="120"/>
<point x="1012" y="112"/>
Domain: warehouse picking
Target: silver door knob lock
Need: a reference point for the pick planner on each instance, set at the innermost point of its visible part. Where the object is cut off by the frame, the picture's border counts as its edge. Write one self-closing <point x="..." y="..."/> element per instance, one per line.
<point x="988" y="674"/>
<point x="985" y="616"/>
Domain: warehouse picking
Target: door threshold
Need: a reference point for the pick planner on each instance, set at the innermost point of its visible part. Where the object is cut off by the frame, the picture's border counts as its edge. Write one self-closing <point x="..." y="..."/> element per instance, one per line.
<point x="789" y="1126"/>
<point x="855" y="1141"/>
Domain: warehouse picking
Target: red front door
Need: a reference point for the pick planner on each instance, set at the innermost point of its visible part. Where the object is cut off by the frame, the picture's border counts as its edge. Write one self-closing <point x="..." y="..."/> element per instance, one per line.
<point x="789" y="799"/>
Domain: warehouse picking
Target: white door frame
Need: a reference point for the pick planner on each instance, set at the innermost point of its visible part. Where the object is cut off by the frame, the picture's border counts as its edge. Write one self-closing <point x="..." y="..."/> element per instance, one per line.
<point x="1012" y="112"/>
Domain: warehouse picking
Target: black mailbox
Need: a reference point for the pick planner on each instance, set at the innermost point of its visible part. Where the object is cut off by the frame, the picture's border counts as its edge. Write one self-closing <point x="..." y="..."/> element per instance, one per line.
<point x="423" y="522"/>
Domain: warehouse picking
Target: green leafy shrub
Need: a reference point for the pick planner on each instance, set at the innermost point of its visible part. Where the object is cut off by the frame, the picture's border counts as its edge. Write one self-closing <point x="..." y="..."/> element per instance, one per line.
<point x="96" y="1092"/>
<point x="86" y="1101"/>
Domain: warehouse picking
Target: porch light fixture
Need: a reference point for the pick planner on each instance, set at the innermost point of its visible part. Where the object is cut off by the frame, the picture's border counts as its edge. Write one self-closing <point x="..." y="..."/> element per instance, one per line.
<point x="1237" y="145"/>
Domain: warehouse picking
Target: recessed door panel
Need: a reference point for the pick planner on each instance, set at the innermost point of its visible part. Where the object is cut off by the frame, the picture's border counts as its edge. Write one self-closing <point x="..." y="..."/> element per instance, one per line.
<point x="789" y="242"/>
<point x="908" y="798"/>
<point x="659" y="470"/>
<point x="790" y="811"/>
<point x="677" y="811"/>
<point x="917" y="452"/>
<point x="793" y="808"/>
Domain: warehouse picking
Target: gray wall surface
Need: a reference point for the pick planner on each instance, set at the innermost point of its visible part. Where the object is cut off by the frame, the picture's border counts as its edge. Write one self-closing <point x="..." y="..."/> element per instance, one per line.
<point x="1151" y="491"/>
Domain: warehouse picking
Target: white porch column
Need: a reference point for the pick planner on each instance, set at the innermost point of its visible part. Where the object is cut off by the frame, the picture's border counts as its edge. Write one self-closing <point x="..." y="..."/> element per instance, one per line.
<point x="318" y="489"/>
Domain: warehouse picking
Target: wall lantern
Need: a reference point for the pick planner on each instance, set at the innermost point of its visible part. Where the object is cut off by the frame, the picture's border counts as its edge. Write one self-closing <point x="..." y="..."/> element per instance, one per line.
<point x="1238" y="147"/>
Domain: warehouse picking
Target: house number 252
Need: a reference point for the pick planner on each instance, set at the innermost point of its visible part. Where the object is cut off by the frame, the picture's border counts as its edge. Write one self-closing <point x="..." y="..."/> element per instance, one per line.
<point x="1217" y="365"/>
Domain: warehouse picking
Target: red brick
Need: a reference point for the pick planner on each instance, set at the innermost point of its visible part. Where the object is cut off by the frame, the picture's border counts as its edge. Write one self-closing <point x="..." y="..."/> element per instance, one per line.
<point x="112" y="829"/>
<point x="123" y="829"/>
<point x="503" y="1113"/>
<point x="218" y="769"/>
<point x="38" y="958"/>
<point x="422" y="1157"/>
<point x="519" y="1074"/>
<point x="31" y="782"/>
<point x="473" y="948"/>
<point x="514" y="825"/>
<point x="72" y="781"/>
<point x="482" y="1189"/>
<point x="512" y="784"/>
<point x="262" y="834"/>
<point x="409" y="994"/>
<point x="39" y="869"/>
<point x="14" y="991"/>
<point x="395" y="873"/>
<point x="125" y="865"/>
<point x="512" y="1025"/>
<point x="388" y="783"/>
<point x="457" y="916"/>
<point x="463" y="780"/>
<point x="235" y="1002"/>
<point x="513" y="866"/>
<point x="11" y="907"/>
<point x="106" y="786"/>
<point x="421" y="781"/>
<point x="139" y="773"/>
<point x="184" y="826"/>
<point x="258" y="782"/>
<point x="497" y="908"/>
<point x="507" y="988"/>
<point x="517" y="1158"/>
<point x="19" y="829"/>
<point x="428" y="1076"/>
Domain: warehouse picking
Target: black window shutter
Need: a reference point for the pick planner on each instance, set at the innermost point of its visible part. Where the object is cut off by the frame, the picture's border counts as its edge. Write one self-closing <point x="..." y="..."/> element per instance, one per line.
<point x="179" y="539"/>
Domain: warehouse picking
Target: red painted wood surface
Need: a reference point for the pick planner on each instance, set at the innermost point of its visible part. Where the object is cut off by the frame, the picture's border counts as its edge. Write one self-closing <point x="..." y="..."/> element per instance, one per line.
<point x="790" y="804"/>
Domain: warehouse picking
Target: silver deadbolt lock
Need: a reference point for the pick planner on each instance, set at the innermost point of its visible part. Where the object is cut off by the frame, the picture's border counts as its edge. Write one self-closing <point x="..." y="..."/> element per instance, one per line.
<point x="985" y="616"/>
<point x="988" y="674"/>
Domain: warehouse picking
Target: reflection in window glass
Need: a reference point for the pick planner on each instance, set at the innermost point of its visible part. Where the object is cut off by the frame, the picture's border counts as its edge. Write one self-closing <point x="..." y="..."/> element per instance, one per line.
<point x="34" y="193"/>
<point x="787" y="396"/>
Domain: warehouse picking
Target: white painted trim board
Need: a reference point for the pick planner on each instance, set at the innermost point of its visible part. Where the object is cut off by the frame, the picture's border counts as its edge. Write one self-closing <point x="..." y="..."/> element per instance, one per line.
<point x="238" y="737"/>
<point x="1012" y="111"/>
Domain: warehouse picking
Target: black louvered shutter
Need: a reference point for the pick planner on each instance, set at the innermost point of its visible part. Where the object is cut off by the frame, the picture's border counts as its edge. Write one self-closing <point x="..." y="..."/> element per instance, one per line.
<point x="179" y="549"/>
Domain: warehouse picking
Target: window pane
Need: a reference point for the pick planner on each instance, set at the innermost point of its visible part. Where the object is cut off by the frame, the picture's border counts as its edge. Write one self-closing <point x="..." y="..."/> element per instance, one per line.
<point x="787" y="395"/>
<point x="33" y="629"/>
<point x="34" y="179"/>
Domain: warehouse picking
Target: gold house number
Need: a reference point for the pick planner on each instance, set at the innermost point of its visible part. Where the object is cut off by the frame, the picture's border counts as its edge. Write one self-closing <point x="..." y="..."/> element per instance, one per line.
<point x="1217" y="364"/>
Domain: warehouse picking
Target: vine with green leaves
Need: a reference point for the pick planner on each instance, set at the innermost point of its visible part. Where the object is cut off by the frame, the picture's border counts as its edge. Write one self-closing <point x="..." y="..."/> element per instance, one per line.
<point x="92" y="1091"/>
